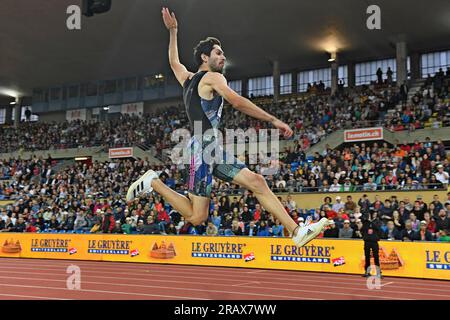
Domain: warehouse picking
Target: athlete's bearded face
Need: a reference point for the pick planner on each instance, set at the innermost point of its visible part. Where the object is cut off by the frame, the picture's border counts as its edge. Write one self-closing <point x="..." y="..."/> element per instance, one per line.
<point x="216" y="60"/>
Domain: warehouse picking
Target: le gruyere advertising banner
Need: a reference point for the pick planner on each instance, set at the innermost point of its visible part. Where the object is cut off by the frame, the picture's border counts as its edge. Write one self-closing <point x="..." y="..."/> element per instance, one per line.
<point x="403" y="259"/>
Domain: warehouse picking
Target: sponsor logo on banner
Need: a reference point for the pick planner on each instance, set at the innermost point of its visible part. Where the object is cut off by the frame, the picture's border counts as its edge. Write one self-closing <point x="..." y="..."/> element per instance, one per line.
<point x="134" y="252"/>
<point x="365" y="134"/>
<point x="438" y="259"/>
<point x="119" y="247"/>
<point x="219" y="250"/>
<point x="163" y="251"/>
<point x="391" y="261"/>
<point x="310" y="254"/>
<point x="72" y="251"/>
<point x="120" y="152"/>
<point x="50" y="245"/>
<point x="249" y="257"/>
<point x="338" y="261"/>
<point x="12" y="246"/>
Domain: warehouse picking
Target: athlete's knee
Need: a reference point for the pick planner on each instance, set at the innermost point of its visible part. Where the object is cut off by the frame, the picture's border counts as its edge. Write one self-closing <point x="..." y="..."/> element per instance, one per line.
<point x="257" y="183"/>
<point x="196" y="220"/>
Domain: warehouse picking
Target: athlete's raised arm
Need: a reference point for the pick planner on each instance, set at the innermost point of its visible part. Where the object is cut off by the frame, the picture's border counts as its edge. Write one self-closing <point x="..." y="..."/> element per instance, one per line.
<point x="218" y="82"/>
<point x="180" y="71"/>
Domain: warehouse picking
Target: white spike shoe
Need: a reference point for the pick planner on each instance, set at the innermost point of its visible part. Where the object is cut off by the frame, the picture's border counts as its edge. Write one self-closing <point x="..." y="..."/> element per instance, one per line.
<point x="141" y="185"/>
<point x="310" y="231"/>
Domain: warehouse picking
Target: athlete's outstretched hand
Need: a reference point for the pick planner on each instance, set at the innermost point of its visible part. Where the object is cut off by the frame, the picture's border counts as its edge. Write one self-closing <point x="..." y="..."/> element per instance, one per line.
<point x="283" y="127"/>
<point x="169" y="19"/>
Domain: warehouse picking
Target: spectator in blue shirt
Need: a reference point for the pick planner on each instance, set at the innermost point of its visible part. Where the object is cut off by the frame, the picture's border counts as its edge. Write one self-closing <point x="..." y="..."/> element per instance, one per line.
<point x="277" y="229"/>
<point x="263" y="230"/>
<point x="216" y="219"/>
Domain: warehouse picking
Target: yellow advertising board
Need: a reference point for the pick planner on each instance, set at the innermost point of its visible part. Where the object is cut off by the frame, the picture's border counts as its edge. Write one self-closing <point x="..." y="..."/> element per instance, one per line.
<point x="404" y="259"/>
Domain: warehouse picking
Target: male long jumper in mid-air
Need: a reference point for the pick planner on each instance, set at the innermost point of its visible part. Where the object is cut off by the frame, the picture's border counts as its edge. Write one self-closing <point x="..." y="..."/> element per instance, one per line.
<point x="203" y="94"/>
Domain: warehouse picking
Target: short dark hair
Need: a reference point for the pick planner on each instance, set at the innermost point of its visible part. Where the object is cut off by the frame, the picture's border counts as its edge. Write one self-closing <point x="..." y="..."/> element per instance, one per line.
<point x="205" y="47"/>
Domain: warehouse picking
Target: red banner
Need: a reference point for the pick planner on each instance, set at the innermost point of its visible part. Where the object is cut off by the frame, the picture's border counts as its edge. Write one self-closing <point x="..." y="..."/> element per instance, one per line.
<point x="365" y="134"/>
<point x="121" y="152"/>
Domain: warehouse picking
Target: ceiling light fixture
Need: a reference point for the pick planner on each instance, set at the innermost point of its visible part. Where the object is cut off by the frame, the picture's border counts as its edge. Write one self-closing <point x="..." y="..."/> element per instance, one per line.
<point x="9" y="92"/>
<point x="332" y="57"/>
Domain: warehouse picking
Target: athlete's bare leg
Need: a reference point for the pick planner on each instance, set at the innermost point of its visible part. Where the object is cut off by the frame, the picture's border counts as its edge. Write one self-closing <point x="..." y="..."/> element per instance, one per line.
<point x="257" y="184"/>
<point x="194" y="209"/>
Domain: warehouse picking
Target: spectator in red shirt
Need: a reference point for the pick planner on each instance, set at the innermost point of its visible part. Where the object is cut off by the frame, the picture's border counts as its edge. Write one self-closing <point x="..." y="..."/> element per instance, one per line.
<point x="331" y="214"/>
<point x="140" y="211"/>
<point x="30" y="228"/>
<point x="163" y="219"/>
<point x="391" y="180"/>
<point x="431" y="224"/>
<point x="405" y="147"/>
<point x="417" y="146"/>
<point x="425" y="164"/>
<point x="257" y="213"/>
<point x="97" y="208"/>
<point x="295" y="216"/>
<point x="158" y="205"/>
<point x="377" y="204"/>
<point x="343" y="214"/>
<point x="108" y="222"/>
<point x="163" y="216"/>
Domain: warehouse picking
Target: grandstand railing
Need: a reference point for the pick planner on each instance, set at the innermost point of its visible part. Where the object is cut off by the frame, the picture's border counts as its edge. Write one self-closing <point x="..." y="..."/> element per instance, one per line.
<point x="302" y="190"/>
<point x="420" y="187"/>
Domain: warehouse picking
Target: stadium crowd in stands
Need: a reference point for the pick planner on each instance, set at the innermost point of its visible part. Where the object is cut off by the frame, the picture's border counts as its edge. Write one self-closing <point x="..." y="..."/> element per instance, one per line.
<point x="312" y="116"/>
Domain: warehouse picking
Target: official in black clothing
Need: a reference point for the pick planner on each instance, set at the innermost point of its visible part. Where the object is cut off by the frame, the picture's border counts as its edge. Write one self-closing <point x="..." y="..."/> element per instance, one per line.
<point x="371" y="235"/>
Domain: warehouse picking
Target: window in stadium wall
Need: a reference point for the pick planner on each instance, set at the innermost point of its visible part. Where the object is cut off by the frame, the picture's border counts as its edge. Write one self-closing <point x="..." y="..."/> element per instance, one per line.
<point x="119" y="85"/>
<point x="286" y="83"/>
<point x="55" y="94"/>
<point x="153" y="81"/>
<point x="236" y="85"/>
<point x="343" y="74"/>
<point x="39" y="95"/>
<point x="2" y="116"/>
<point x="82" y="90"/>
<point x="431" y="62"/>
<point x="110" y="86"/>
<point x="91" y="89"/>
<point x="130" y="84"/>
<point x="23" y="116"/>
<point x="101" y="88"/>
<point x="310" y="76"/>
<point x="74" y="91"/>
<point x="148" y="81"/>
<point x="366" y="72"/>
<point x="139" y="83"/>
<point x="261" y="86"/>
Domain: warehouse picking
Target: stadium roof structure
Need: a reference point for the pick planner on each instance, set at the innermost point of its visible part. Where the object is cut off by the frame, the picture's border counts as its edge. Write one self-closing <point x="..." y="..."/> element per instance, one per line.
<point x="37" y="49"/>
